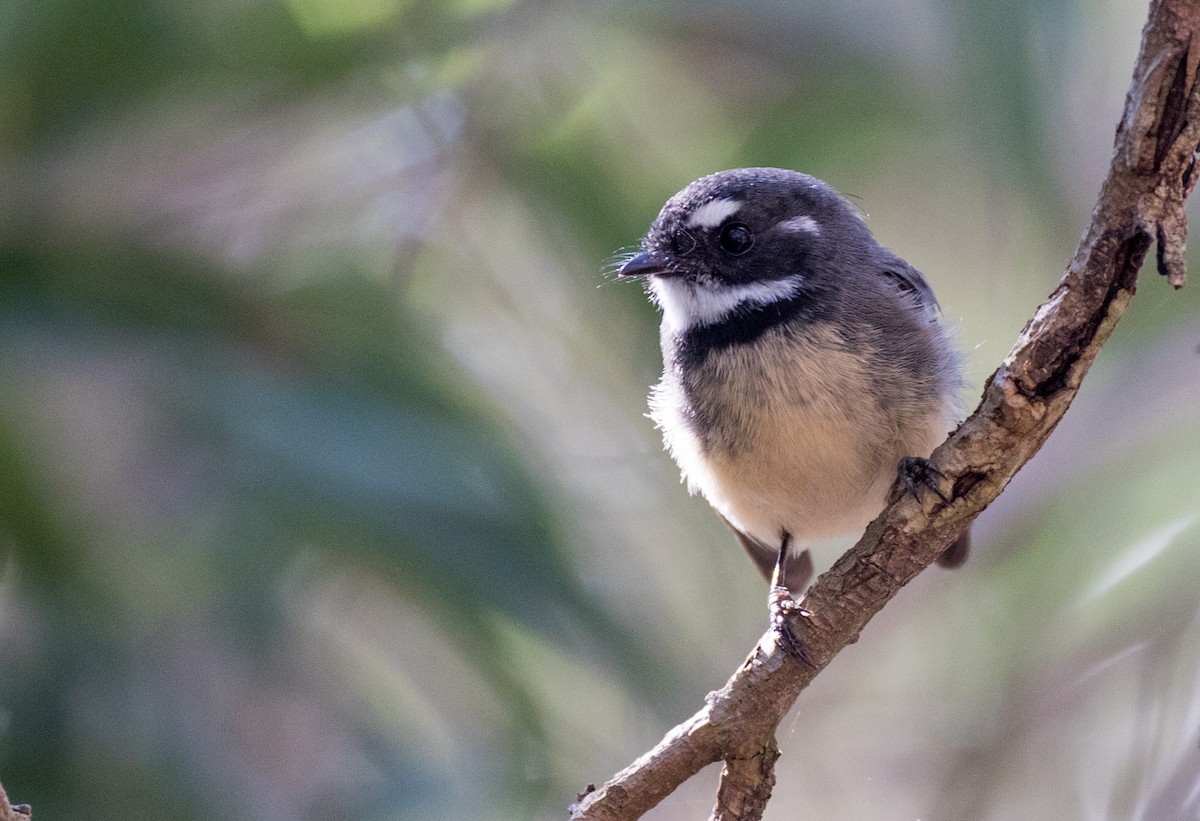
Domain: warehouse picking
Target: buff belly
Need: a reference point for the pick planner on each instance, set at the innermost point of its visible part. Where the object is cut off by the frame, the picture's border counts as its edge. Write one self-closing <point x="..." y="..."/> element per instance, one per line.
<point x="782" y="439"/>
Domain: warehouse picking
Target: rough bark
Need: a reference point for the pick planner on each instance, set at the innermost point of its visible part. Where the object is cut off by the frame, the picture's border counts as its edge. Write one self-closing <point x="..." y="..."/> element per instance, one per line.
<point x="8" y="812"/>
<point x="1152" y="173"/>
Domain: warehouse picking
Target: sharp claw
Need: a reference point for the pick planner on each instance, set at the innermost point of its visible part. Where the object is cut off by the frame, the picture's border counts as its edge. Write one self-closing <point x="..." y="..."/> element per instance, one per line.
<point x="917" y="474"/>
<point x="783" y="608"/>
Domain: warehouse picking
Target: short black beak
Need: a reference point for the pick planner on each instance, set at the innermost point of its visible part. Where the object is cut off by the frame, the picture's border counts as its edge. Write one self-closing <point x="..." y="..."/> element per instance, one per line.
<point x="643" y="265"/>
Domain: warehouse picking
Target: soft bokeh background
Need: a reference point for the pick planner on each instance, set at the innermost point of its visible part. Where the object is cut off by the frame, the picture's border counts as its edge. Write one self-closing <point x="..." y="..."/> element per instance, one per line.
<point x="325" y="488"/>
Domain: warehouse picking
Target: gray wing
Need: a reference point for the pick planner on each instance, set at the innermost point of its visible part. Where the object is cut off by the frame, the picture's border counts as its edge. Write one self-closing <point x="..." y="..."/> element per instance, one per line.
<point x="909" y="280"/>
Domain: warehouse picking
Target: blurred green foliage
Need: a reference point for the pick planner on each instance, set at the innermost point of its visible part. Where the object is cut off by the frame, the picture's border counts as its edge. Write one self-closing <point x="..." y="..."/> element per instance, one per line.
<point x="324" y="485"/>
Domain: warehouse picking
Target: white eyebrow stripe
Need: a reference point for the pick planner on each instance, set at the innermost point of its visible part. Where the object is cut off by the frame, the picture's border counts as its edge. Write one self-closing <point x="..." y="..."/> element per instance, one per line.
<point x="713" y="213"/>
<point x="690" y="305"/>
<point x="803" y="223"/>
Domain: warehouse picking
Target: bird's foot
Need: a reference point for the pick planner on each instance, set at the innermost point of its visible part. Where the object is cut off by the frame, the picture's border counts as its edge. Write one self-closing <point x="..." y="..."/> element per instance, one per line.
<point x="783" y="608"/>
<point x="919" y="474"/>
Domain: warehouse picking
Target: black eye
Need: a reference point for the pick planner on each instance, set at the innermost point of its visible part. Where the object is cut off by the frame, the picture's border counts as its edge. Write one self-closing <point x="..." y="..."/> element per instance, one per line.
<point x="735" y="238"/>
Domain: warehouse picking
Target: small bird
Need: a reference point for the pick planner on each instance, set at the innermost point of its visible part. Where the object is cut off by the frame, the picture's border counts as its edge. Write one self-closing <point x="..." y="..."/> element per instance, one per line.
<point x="804" y="365"/>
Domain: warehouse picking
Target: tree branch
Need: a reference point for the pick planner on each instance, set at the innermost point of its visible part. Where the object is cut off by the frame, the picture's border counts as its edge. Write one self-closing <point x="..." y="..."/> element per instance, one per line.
<point x="8" y="812"/>
<point x="1142" y="201"/>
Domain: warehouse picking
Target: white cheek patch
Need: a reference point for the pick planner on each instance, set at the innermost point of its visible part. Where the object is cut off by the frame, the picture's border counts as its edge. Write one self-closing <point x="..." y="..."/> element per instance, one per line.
<point x="688" y="304"/>
<point x="803" y="224"/>
<point x="713" y="213"/>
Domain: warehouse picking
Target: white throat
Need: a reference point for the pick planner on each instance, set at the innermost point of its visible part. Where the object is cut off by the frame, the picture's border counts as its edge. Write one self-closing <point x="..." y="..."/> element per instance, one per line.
<point x="686" y="304"/>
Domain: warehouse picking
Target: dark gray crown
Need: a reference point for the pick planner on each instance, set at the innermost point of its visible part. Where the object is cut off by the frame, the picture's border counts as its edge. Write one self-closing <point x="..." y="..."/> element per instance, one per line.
<point x="796" y="222"/>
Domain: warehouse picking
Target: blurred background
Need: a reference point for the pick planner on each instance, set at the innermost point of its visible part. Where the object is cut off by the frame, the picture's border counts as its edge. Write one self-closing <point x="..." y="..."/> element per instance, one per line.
<point x="325" y="486"/>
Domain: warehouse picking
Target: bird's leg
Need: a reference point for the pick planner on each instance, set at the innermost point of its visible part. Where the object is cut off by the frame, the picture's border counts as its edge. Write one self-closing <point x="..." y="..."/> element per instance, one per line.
<point x="783" y="607"/>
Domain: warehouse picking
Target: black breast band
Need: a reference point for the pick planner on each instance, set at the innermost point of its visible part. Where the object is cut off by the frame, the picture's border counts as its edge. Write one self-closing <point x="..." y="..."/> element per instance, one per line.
<point x="744" y="325"/>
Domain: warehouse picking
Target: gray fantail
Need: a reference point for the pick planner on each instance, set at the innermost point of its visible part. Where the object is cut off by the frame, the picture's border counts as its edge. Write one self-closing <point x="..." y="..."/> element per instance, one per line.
<point x="803" y="363"/>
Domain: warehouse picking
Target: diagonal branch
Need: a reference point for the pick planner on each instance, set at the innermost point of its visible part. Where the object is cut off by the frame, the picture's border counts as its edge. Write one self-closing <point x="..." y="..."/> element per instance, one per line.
<point x="10" y="812"/>
<point x="1142" y="201"/>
